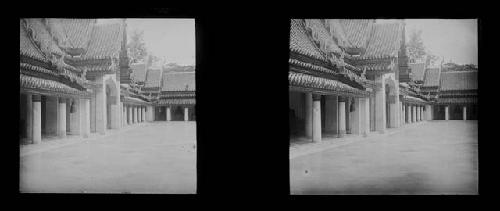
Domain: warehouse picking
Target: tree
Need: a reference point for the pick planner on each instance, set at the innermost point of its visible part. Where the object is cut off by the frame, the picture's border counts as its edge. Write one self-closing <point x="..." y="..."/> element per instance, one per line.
<point x="153" y="59"/>
<point x="415" y="46"/>
<point x="431" y="59"/>
<point x="136" y="46"/>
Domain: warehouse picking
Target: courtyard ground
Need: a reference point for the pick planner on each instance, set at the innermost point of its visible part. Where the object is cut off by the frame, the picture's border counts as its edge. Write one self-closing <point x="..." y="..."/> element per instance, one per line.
<point x="434" y="157"/>
<point x="156" y="157"/>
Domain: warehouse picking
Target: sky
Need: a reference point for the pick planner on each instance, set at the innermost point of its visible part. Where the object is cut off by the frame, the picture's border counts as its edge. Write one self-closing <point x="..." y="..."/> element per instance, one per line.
<point x="172" y="39"/>
<point x="454" y="39"/>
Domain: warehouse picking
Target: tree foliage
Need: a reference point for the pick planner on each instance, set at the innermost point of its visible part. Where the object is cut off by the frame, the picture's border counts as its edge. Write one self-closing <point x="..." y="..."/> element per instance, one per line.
<point x="431" y="59"/>
<point x="153" y="59"/>
<point x="136" y="46"/>
<point x="450" y="66"/>
<point x="415" y="46"/>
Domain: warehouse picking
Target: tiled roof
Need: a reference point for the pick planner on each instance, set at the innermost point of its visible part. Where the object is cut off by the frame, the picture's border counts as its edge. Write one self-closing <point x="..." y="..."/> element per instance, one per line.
<point x="344" y="72"/>
<point x="300" y="42"/>
<point x="42" y="37"/>
<point x="457" y="100"/>
<point x="179" y="68"/>
<point x="177" y="101"/>
<point x="411" y="99"/>
<point x="336" y="31"/>
<point x="385" y="40"/>
<point x="73" y="33"/>
<point x="97" y="68"/>
<point x="138" y="72"/>
<point x="129" y="99"/>
<point x="376" y="66"/>
<point x="432" y="76"/>
<point x="179" y="81"/>
<point x="105" y="41"/>
<point x="47" y="85"/>
<point x="167" y="94"/>
<point x="153" y="78"/>
<point x="313" y="82"/>
<point x="27" y="47"/>
<point x="458" y="80"/>
<point x="417" y="71"/>
<point x="321" y="35"/>
<point x="62" y="36"/>
<point x="357" y="31"/>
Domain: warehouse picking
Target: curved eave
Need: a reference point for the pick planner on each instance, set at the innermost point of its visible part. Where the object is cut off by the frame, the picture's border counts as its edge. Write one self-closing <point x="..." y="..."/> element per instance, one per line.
<point x="49" y="87"/>
<point x="457" y="100"/>
<point x="41" y="72"/>
<point x="177" y="94"/>
<point x="176" y="101"/>
<point x="346" y="75"/>
<point x="134" y="101"/>
<point x="304" y="82"/>
<point x="414" y="100"/>
<point x="306" y="53"/>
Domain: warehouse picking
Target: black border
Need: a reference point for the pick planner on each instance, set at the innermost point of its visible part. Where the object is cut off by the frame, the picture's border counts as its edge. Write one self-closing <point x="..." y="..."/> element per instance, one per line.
<point x="241" y="79"/>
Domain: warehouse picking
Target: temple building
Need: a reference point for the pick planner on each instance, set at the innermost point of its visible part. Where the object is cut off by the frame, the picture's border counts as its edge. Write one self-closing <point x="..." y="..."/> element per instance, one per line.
<point x="170" y="89"/>
<point x="75" y="79"/>
<point x="350" y="77"/>
<point x="455" y="94"/>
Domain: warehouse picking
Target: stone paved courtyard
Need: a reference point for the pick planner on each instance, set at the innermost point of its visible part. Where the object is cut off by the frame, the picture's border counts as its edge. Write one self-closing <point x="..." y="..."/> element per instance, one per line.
<point x="156" y="157"/>
<point x="436" y="157"/>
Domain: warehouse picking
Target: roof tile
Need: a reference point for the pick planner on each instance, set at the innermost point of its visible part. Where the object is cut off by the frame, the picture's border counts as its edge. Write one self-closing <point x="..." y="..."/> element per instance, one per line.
<point x="417" y="71"/>
<point x="153" y="78"/>
<point x="432" y="76"/>
<point x="300" y="42"/>
<point x="138" y="72"/>
<point x="458" y="80"/>
<point x="179" y="81"/>
<point x="357" y="31"/>
<point x="385" y="40"/>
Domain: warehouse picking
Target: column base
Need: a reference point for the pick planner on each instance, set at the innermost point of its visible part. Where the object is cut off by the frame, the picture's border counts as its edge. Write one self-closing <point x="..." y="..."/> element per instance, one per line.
<point x="341" y="133"/>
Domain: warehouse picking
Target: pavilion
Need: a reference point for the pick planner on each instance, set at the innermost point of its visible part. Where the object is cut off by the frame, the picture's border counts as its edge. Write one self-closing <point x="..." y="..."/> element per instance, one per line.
<point x="350" y="77"/>
<point x="75" y="79"/>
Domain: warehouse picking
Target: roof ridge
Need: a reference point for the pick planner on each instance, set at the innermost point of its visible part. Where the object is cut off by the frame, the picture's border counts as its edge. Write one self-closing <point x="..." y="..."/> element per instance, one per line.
<point x="30" y="38"/>
<point x="179" y="72"/>
<point x="462" y="71"/>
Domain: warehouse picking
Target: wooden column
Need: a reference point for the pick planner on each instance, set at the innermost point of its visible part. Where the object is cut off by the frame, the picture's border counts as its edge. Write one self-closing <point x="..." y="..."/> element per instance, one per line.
<point x="143" y="115"/>
<point x="139" y="114"/>
<point x="418" y="113"/>
<point x="135" y="114"/>
<point x="85" y="117"/>
<point x="75" y="116"/>
<point x="37" y="119"/>
<point x="341" y="116"/>
<point x="403" y="114"/>
<point x="101" y="111"/>
<point x="408" y="113"/>
<point x="167" y="110"/>
<point x="356" y="117"/>
<point x="130" y="121"/>
<point x="124" y="115"/>
<point x="316" y="118"/>
<point x="414" y="114"/>
<point x="62" y="118"/>
<point x="309" y="114"/>
<point x="29" y="116"/>
<point x="446" y="114"/>
<point x="465" y="113"/>
<point x="365" y="116"/>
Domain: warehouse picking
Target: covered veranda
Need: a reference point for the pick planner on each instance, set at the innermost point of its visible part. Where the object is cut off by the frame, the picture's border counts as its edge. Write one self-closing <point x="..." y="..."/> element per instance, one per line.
<point x="333" y="111"/>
